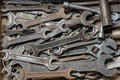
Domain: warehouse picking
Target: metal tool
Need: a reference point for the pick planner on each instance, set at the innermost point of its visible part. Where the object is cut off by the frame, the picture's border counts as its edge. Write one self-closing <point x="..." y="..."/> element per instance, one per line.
<point x="35" y="36"/>
<point x="28" y="8"/>
<point x="30" y="59"/>
<point x="95" y="65"/>
<point x="105" y="13"/>
<point x="57" y="15"/>
<point x="78" y="7"/>
<point x="15" y="2"/>
<point x="45" y="75"/>
<point x="62" y="41"/>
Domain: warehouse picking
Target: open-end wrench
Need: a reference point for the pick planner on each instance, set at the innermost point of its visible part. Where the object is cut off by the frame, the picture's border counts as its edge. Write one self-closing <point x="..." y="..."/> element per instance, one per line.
<point x="65" y="40"/>
<point x="35" y="36"/>
<point x="12" y="19"/>
<point x="95" y="65"/>
<point x="57" y="15"/>
<point x="15" y="2"/>
<point x="45" y="75"/>
<point x="22" y="32"/>
<point x="30" y="59"/>
<point x="28" y="8"/>
<point x="88" y="46"/>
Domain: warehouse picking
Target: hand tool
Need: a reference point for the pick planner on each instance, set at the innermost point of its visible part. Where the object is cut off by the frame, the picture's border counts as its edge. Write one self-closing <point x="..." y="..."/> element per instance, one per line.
<point x="62" y="41"/>
<point x="28" y="8"/>
<point x="70" y="5"/>
<point x="95" y="65"/>
<point x="57" y="15"/>
<point x="78" y="7"/>
<point x="105" y="13"/>
<point x="114" y="64"/>
<point x="15" y="2"/>
<point x="42" y="34"/>
<point x="93" y="3"/>
<point x="30" y="59"/>
<point x="12" y="19"/>
<point x="45" y="75"/>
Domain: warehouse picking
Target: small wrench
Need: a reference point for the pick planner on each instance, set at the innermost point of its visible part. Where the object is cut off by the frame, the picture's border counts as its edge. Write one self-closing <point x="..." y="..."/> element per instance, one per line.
<point x="57" y="15"/>
<point x="30" y="59"/>
<point x="28" y="8"/>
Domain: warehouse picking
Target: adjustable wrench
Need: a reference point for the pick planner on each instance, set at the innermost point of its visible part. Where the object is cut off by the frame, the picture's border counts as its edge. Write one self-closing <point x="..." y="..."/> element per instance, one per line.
<point x="45" y="75"/>
<point x="57" y="15"/>
<point x="95" y="65"/>
<point x="30" y="59"/>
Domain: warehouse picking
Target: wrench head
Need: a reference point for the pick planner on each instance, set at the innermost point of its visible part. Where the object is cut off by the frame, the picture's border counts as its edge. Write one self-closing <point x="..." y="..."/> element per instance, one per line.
<point x="108" y="46"/>
<point x="84" y="16"/>
<point x="103" y="68"/>
<point x="50" y="60"/>
<point x="62" y="13"/>
<point x="5" y="54"/>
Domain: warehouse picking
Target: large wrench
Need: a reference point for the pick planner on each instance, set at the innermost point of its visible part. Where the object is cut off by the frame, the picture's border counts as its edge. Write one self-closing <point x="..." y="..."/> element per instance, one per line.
<point x="30" y="59"/>
<point x="95" y="65"/>
<point x="57" y="15"/>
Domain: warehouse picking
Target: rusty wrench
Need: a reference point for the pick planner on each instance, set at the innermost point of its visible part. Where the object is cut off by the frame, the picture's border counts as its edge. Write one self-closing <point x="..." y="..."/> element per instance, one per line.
<point x="30" y="59"/>
<point x="57" y="15"/>
<point x="45" y="75"/>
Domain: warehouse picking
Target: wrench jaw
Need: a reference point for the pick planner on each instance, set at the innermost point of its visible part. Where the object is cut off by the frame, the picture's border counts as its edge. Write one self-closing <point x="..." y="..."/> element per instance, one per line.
<point x="102" y="67"/>
<point x="49" y="64"/>
<point x="6" y="55"/>
<point x="11" y="20"/>
<point x="84" y="16"/>
<point x="62" y="11"/>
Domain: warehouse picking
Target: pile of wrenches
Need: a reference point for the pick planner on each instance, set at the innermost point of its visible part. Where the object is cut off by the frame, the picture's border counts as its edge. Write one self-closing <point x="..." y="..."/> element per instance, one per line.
<point x="70" y="40"/>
